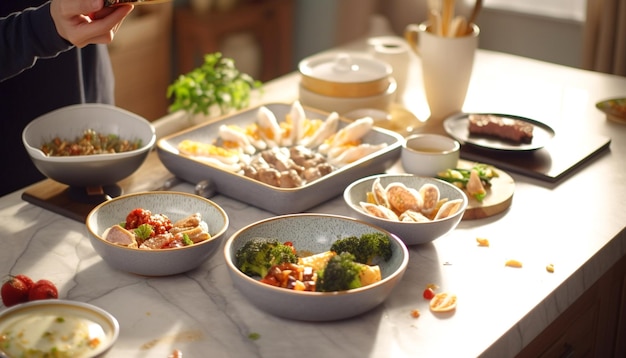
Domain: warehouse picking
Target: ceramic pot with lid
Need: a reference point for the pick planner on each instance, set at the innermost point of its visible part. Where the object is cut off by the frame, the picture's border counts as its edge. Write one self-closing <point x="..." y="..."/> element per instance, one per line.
<point x="342" y="81"/>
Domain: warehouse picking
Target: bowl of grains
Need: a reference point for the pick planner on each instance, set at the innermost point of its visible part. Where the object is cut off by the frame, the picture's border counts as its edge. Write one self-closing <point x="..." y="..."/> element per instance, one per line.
<point x="88" y="145"/>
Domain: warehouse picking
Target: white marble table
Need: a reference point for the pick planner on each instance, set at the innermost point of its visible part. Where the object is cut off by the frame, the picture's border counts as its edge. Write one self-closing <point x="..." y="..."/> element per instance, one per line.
<point x="574" y="224"/>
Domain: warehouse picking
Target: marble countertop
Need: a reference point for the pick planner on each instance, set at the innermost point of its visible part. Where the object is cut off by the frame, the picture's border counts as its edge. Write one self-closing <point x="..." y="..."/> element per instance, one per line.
<point x="576" y="224"/>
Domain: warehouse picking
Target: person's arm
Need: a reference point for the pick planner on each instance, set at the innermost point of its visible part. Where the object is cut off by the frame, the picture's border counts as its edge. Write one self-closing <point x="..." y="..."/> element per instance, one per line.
<point x="21" y="45"/>
<point x="54" y="27"/>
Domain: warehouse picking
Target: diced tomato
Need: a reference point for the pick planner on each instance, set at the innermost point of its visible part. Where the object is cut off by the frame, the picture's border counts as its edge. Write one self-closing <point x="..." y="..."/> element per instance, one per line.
<point x="161" y="224"/>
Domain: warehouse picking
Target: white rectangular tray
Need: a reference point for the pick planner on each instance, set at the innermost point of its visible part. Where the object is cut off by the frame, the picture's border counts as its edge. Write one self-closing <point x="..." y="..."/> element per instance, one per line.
<point x="276" y="200"/>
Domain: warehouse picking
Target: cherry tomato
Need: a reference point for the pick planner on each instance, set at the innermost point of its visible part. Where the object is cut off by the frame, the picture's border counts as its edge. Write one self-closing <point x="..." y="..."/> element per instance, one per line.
<point x="429" y="293"/>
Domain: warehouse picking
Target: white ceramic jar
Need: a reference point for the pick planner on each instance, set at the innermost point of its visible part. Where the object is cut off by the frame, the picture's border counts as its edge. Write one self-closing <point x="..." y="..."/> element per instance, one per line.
<point x="343" y="81"/>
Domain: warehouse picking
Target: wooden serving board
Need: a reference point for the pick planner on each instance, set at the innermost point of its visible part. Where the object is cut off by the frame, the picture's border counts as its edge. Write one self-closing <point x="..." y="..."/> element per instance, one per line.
<point x="59" y="198"/>
<point x="499" y="197"/>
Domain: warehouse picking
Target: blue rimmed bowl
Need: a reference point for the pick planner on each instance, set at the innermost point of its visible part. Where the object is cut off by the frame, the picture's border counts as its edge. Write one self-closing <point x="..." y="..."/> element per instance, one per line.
<point x="314" y="233"/>
<point x="161" y="262"/>
<point x="71" y="122"/>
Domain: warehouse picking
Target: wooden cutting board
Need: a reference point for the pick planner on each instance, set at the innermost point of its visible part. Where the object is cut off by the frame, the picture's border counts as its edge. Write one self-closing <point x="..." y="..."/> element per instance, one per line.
<point x="59" y="198"/>
<point x="499" y="196"/>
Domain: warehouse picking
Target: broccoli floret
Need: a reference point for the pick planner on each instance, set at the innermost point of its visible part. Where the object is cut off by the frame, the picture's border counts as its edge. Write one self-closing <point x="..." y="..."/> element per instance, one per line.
<point x="341" y="273"/>
<point x="365" y="248"/>
<point x="258" y="255"/>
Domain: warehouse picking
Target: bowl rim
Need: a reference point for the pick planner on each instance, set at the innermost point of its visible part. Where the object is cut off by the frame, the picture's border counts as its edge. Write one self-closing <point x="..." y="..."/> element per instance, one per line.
<point x="233" y="268"/>
<point x="455" y="144"/>
<point x="36" y="153"/>
<point x="213" y="237"/>
<point x="354" y="207"/>
<point x="389" y="91"/>
<point x="76" y="306"/>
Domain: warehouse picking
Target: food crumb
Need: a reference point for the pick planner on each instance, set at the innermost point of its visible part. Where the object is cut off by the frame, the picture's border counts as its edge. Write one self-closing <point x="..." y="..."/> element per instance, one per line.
<point x="443" y="302"/>
<point x="513" y="263"/>
<point x="482" y="241"/>
<point x="415" y="313"/>
<point x="176" y="354"/>
<point x="550" y="268"/>
<point x="254" y="336"/>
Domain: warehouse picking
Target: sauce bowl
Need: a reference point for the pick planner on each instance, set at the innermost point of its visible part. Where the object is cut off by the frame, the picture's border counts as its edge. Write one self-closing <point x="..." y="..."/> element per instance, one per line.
<point x="429" y="154"/>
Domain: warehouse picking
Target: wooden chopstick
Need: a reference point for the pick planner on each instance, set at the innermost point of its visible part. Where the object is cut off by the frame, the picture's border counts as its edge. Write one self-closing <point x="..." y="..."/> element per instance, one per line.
<point x="447" y="15"/>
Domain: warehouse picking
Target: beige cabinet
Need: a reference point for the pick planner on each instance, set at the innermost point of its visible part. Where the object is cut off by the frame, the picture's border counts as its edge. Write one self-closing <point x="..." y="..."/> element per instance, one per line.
<point x="141" y="55"/>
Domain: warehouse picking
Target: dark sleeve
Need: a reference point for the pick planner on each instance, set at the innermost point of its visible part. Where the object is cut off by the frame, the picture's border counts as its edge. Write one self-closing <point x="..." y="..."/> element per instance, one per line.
<point x="26" y="36"/>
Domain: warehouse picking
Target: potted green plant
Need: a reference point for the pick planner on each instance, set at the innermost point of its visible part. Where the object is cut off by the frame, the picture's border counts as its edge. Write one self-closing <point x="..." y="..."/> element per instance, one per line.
<point x="216" y="86"/>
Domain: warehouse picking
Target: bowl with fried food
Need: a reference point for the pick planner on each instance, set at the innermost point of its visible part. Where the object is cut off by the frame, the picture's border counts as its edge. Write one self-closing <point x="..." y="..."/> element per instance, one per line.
<point x="417" y="209"/>
<point x="315" y="267"/>
<point x="157" y="233"/>
<point x="88" y="145"/>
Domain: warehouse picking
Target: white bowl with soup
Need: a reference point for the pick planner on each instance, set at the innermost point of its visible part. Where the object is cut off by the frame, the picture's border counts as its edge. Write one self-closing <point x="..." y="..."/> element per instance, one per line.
<point x="429" y="154"/>
<point x="57" y="328"/>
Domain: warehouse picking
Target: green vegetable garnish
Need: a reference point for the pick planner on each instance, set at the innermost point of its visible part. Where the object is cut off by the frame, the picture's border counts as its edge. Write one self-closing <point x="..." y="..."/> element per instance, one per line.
<point x="258" y="255"/>
<point x="365" y="248"/>
<point x="216" y="82"/>
<point x="144" y="231"/>
<point x="342" y="272"/>
<point x="459" y="175"/>
<point x="186" y="240"/>
<point x="254" y="336"/>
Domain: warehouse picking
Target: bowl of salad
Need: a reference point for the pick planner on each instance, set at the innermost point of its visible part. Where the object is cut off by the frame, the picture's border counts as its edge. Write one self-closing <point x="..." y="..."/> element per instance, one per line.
<point x="156" y="233"/>
<point x="315" y="267"/>
<point x="88" y="145"/>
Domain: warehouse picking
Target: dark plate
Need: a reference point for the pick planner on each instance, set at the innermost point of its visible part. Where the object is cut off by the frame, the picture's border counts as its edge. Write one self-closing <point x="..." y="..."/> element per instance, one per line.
<point x="458" y="124"/>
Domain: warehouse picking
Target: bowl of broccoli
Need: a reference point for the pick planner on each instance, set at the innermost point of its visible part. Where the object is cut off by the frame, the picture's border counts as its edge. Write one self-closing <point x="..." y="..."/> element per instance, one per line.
<point x="315" y="267"/>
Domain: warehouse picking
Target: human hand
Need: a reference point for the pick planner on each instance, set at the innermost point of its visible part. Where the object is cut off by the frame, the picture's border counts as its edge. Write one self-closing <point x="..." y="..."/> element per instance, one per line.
<point x="84" y="22"/>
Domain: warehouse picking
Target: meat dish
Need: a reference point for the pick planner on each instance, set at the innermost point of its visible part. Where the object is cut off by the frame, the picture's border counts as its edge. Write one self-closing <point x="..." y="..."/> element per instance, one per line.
<point x="506" y="128"/>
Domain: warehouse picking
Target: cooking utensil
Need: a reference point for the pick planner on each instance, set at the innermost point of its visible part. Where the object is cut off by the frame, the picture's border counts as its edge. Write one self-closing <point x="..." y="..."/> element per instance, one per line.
<point x="458" y="27"/>
<point x="447" y="14"/>
<point x="477" y="7"/>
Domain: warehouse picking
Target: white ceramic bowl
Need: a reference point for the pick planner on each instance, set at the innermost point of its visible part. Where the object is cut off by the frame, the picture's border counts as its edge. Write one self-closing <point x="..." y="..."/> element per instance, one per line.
<point x="156" y="262"/>
<point x="411" y="233"/>
<point x="429" y="154"/>
<point x="88" y="170"/>
<point x="314" y="233"/>
<point x="33" y="318"/>
<point x="344" y="105"/>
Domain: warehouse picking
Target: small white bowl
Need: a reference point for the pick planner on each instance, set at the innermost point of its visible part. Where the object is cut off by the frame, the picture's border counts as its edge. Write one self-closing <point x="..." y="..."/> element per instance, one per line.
<point x="161" y="262"/>
<point x="429" y="154"/>
<point x="411" y="233"/>
<point x="88" y="170"/>
<point x="32" y="320"/>
<point x="314" y="233"/>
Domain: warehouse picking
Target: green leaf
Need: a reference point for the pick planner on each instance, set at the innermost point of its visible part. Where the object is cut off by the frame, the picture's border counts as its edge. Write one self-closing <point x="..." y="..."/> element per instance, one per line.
<point x="144" y="231"/>
<point x="186" y="240"/>
<point x="217" y="82"/>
